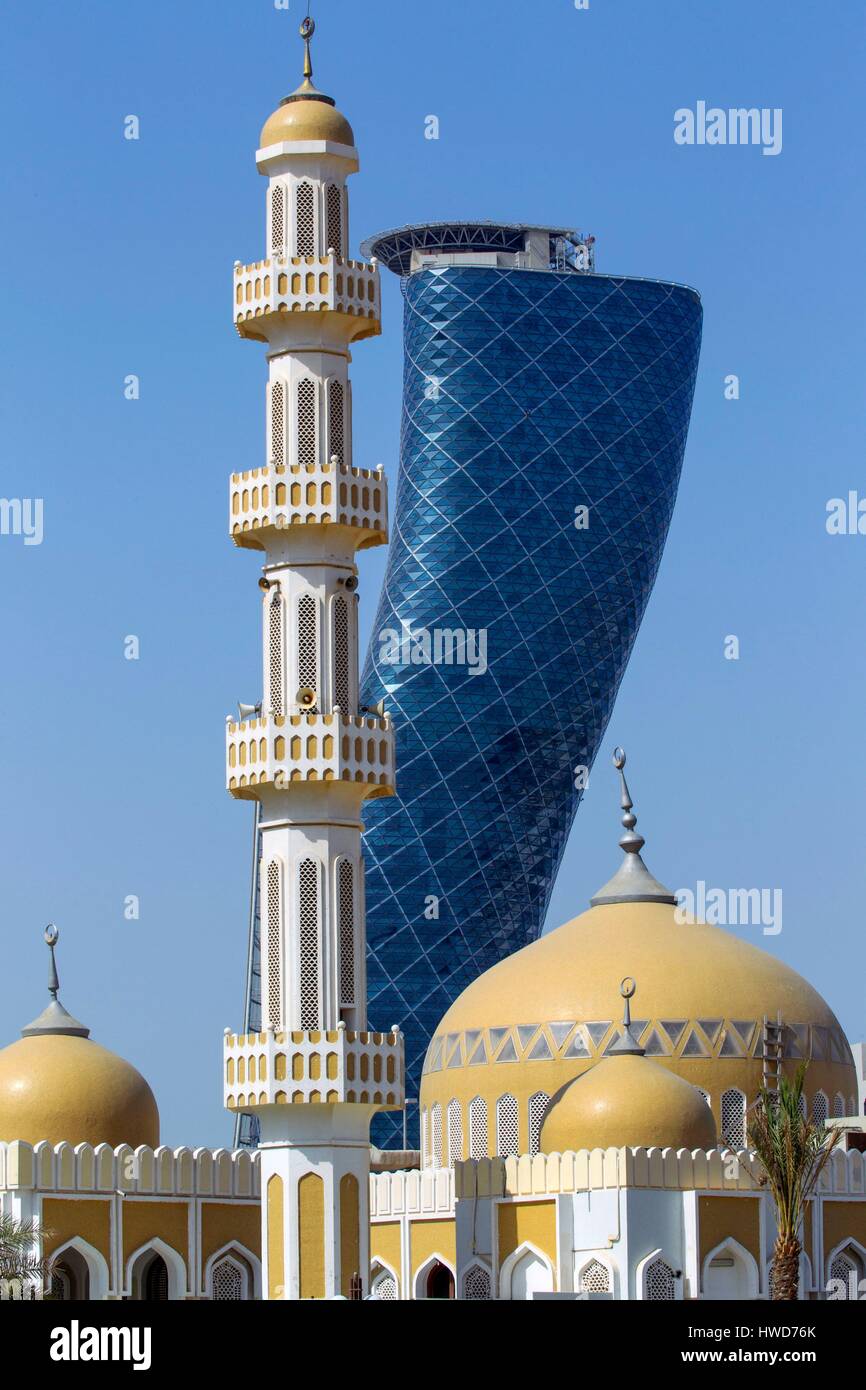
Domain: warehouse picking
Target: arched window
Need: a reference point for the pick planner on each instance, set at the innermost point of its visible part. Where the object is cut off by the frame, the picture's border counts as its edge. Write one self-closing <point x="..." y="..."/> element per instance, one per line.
<point x="844" y="1278"/>
<point x="308" y="942"/>
<point x="346" y="893"/>
<point x="307" y="442"/>
<point x="525" y="1273"/>
<point x="734" y="1118"/>
<point x="507" y="1127"/>
<point x="305" y="220"/>
<point x="228" y="1282"/>
<point x="278" y="219"/>
<point x="659" y="1282"/>
<point x="838" y="1106"/>
<point x="336" y="421"/>
<point x="594" y="1278"/>
<point x="478" y="1142"/>
<point x="537" y="1110"/>
<point x="439" y="1282"/>
<point x="70" y="1278"/>
<point x="278" y="423"/>
<point x="341" y="653"/>
<point x="275" y="653"/>
<point x="273" y="888"/>
<point x="436" y="1134"/>
<point x="425" y="1147"/>
<point x="384" y="1286"/>
<point x="820" y="1109"/>
<point x="455" y="1133"/>
<point x="154" y="1281"/>
<point x="476" y="1284"/>
<point x="335" y="218"/>
<point x="308" y="647"/>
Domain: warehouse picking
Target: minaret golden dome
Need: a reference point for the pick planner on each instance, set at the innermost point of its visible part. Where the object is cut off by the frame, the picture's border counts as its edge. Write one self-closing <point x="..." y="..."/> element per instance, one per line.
<point x="307" y="114"/>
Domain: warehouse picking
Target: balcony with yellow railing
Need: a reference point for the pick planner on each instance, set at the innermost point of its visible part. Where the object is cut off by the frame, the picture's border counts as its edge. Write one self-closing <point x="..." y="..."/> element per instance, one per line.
<point x="263" y="500"/>
<point x="310" y="1068"/>
<point x="281" y="751"/>
<point x="283" y="285"/>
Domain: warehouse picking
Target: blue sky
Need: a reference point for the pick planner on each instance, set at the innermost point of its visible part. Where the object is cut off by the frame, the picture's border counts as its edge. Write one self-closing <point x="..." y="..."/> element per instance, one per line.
<point x="117" y="259"/>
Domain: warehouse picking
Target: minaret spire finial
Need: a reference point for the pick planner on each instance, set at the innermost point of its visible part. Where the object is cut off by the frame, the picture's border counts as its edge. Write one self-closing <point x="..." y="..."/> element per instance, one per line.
<point x="308" y="29"/>
<point x="52" y="936"/>
<point x="632" y="881"/>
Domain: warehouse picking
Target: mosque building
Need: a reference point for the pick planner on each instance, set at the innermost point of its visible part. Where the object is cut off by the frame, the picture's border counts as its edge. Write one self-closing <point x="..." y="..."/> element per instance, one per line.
<point x="566" y="1151"/>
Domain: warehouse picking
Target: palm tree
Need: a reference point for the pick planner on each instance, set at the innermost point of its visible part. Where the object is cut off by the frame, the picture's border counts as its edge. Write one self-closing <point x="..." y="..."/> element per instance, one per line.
<point x="20" y="1261"/>
<point x="793" y="1152"/>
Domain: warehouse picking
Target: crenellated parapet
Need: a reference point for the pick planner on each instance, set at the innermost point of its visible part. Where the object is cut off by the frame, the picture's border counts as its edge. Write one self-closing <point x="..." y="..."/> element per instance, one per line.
<point x="281" y="751"/>
<point x="314" y="1067"/>
<point x="268" y="292"/>
<point x="274" y="499"/>
<point x="88" y="1168"/>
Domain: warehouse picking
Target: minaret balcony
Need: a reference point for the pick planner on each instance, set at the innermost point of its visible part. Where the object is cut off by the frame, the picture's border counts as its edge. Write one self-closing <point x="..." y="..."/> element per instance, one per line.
<point x="264" y="500"/>
<point x="280" y="752"/>
<point x="314" y="1068"/>
<point x="268" y="291"/>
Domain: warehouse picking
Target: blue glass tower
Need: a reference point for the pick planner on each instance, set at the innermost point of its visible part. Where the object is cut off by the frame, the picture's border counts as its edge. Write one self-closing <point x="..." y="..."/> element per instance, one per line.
<point x="545" y="415"/>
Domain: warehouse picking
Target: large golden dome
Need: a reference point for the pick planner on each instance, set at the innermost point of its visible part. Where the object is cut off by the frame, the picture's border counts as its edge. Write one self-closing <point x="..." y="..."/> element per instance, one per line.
<point x="57" y="1084"/>
<point x="628" y="1102"/>
<point x="709" y="1003"/>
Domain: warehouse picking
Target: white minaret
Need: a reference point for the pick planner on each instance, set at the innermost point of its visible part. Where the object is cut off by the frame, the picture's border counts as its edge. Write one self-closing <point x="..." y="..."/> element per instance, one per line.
<point x="309" y="755"/>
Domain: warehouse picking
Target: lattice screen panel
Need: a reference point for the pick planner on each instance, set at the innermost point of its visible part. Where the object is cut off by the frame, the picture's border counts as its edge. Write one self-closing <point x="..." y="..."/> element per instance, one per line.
<point x="594" y="1278"/>
<point x="386" y="1288"/>
<point x="274" y="944"/>
<point x="305" y="209"/>
<point x="734" y="1119"/>
<point x="228" y="1282"/>
<point x="336" y="421"/>
<point x="308" y="942"/>
<point x="478" y="1143"/>
<point x="307" y="451"/>
<point x="341" y="653"/>
<point x="346" y="895"/>
<point x="537" y="1110"/>
<point x="455" y="1133"/>
<point x="278" y="219"/>
<point x="278" y="423"/>
<point x="308" y="645"/>
<point x="436" y="1128"/>
<point x="275" y="642"/>
<point x="335" y="218"/>
<point x="820" y="1109"/>
<point x="507" y="1127"/>
<point x="659" y="1282"/>
<point x="476" y="1285"/>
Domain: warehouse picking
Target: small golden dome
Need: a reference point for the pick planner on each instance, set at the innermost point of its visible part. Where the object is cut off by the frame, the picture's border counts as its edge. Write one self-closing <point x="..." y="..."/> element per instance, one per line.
<point x="628" y="1102"/>
<point x="305" y="116"/>
<point x="60" y="1087"/>
<point x="56" y="1084"/>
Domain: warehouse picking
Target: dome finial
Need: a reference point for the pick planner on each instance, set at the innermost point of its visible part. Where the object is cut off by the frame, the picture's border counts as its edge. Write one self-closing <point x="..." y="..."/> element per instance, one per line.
<point x="627" y="1045"/>
<point x="52" y="936"/>
<point x="632" y="882"/>
<point x="54" y="1018"/>
<point x="307" y="30"/>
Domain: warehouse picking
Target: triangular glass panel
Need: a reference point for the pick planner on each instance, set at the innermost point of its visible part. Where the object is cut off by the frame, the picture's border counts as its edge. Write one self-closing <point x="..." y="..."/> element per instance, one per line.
<point x="711" y="1027"/>
<point x="577" y="1047"/>
<point x="526" y="1032"/>
<point x="731" y="1045"/>
<point x="496" y="1036"/>
<point x="560" y="1032"/>
<point x="541" y="1051"/>
<point x="694" y="1047"/>
<point x="745" y="1028"/>
<point x="508" y="1053"/>
<point x="674" y="1027"/>
<point x="656" y="1045"/>
<point x="597" y="1031"/>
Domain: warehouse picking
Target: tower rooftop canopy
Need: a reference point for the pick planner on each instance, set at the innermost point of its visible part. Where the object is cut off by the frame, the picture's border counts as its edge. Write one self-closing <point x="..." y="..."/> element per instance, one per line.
<point x="396" y="248"/>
